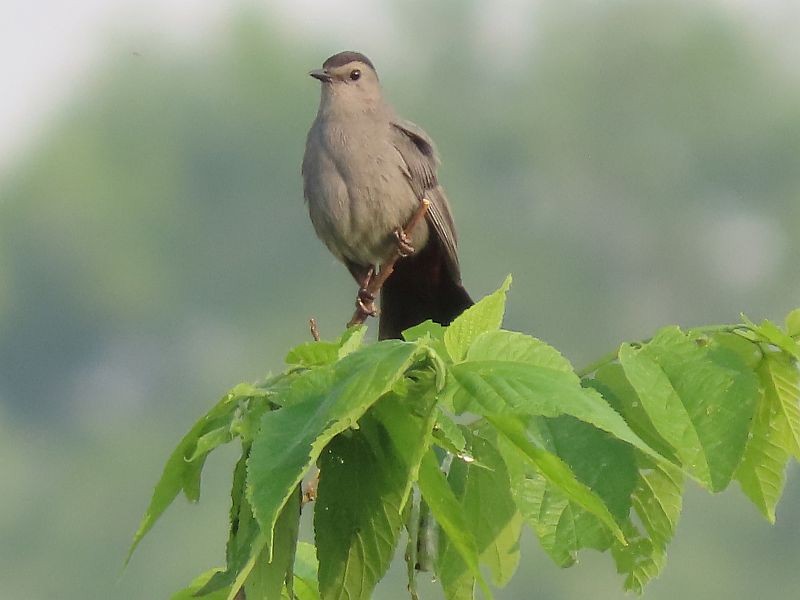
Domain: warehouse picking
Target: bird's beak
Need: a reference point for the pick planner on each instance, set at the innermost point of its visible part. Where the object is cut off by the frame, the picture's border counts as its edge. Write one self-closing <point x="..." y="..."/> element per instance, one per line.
<point x="322" y="75"/>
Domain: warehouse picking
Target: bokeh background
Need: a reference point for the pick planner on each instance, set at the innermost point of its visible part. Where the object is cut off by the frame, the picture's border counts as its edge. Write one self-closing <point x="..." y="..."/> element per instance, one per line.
<point x="633" y="164"/>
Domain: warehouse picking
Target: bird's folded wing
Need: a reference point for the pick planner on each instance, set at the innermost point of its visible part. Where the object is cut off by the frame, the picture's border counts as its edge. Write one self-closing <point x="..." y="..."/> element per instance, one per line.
<point x="420" y="164"/>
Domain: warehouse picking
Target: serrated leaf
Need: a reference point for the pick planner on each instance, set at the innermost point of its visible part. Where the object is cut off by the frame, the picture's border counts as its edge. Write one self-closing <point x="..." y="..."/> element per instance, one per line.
<point x="303" y="590"/>
<point x="291" y="439"/>
<point x="542" y="506"/>
<point x="599" y="461"/>
<point x="510" y="388"/>
<point x="554" y="470"/>
<point x="313" y="354"/>
<point x="447" y="434"/>
<point x="666" y="410"/>
<point x="306" y="564"/>
<point x="176" y="471"/>
<point x="305" y="573"/>
<point x="357" y="516"/>
<point x="191" y="592"/>
<point x="450" y="516"/>
<point x="611" y="383"/>
<point x="485" y="496"/>
<point x="772" y="334"/>
<point x="657" y="502"/>
<point x="351" y="340"/>
<point x="781" y="380"/>
<point x="321" y="352"/>
<point x="426" y="329"/>
<point x="243" y="533"/>
<point x="748" y="352"/>
<point x="408" y="422"/>
<point x="711" y="386"/>
<point x="512" y="346"/>
<point x="640" y="561"/>
<point x="211" y="440"/>
<point x="484" y="315"/>
<point x="365" y="480"/>
<point x="266" y="580"/>
<point x="762" y="471"/>
<point x="793" y="323"/>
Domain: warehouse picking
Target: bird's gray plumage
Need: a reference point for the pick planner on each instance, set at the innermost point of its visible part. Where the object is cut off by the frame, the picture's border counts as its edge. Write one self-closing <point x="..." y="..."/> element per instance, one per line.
<point x="365" y="171"/>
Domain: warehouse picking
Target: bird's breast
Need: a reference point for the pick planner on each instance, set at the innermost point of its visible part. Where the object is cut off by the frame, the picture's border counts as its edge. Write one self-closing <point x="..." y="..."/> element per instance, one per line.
<point x="357" y="191"/>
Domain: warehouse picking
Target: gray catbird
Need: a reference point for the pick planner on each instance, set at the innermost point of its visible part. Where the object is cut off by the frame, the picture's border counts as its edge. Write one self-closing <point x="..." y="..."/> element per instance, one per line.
<point x="365" y="171"/>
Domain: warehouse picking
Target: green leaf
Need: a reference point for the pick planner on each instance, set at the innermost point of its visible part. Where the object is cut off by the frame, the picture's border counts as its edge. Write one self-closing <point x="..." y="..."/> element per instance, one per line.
<point x="484" y="315"/>
<point x="562" y="527"/>
<point x="485" y="496"/>
<point x="793" y="323"/>
<point x="425" y="330"/>
<point x="365" y="481"/>
<point x="211" y="440"/>
<point x="357" y="515"/>
<point x="266" y="580"/>
<point x="657" y="501"/>
<point x="748" y="352"/>
<point x="772" y="334"/>
<point x="351" y="340"/>
<point x="781" y="380"/>
<point x="306" y="565"/>
<point x="321" y="353"/>
<point x="242" y="544"/>
<point x="191" y="592"/>
<point x="447" y="434"/>
<point x="305" y="573"/>
<point x="291" y="439"/>
<point x="493" y="387"/>
<point x="408" y="421"/>
<point x="640" y="561"/>
<point x="313" y="354"/>
<point x="771" y="442"/>
<point x="448" y="512"/>
<point x="666" y="410"/>
<point x="554" y="470"/>
<point x="599" y="461"/>
<point x="700" y="399"/>
<point x="177" y="470"/>
<point x="512" y="346"/>
<point x="615" y="388"/>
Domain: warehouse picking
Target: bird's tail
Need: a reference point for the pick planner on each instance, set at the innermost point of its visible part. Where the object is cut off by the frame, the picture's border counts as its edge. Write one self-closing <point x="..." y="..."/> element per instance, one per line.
<point x="421" y="287"/>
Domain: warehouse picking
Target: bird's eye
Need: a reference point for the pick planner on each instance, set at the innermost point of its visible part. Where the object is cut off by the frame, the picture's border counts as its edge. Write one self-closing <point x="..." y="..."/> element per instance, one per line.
<point x="355" y="74"/>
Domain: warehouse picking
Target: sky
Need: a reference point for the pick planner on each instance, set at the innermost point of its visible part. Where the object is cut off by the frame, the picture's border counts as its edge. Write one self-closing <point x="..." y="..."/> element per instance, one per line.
<point x="47" y="48"/>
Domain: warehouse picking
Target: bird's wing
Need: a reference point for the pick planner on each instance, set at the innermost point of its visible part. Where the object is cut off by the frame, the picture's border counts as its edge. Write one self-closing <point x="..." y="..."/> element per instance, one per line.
<point x="420" y="163"/>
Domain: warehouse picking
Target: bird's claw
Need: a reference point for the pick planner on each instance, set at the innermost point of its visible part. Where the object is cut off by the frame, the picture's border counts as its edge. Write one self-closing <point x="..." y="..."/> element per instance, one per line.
<point x="404" y="247"/>
<point x="365" y="301"/>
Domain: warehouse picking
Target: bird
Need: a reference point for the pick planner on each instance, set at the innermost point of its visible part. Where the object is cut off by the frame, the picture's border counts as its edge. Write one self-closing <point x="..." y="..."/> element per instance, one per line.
<point x="365" y="171"/>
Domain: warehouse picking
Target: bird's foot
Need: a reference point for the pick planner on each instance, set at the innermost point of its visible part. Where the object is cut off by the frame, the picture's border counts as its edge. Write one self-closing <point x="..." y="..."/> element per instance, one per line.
<point x="365" y="302"/>
<point x="404" y="247"/>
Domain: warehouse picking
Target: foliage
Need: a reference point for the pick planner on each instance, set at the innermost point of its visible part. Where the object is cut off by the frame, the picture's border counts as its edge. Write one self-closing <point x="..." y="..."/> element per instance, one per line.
<point x="461" y="435"/>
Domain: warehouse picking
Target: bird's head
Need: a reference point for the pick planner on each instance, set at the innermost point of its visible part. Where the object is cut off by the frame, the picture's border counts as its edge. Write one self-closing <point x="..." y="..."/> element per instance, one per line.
<point x="349" y="81"/>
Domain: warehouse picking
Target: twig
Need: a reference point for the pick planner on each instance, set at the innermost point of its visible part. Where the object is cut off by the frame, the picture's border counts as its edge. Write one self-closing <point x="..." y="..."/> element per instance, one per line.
<point x="312" y="323"/>
<point x="309" y="494"/>
<point x="376" y="283"/>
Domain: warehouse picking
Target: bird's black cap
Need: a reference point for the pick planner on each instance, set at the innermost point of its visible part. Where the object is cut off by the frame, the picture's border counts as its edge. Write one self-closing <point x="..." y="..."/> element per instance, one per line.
<point x="338" y="60"/>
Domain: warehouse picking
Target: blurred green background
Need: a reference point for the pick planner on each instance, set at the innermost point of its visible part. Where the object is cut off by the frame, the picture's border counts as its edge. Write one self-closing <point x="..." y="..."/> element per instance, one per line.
<point x="633" y="164"/>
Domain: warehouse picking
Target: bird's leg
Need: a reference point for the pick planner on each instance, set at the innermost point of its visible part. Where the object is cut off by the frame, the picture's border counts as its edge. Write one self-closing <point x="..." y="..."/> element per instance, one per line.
<point x="375" y="281"/>
<point x="404" y="247"/>
<point x="365" y="301"/>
